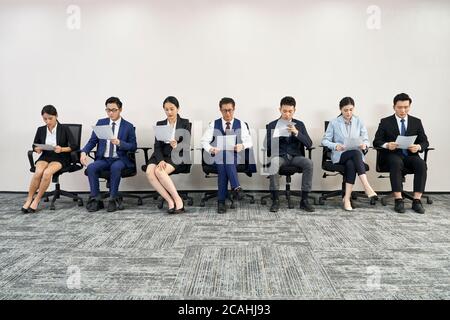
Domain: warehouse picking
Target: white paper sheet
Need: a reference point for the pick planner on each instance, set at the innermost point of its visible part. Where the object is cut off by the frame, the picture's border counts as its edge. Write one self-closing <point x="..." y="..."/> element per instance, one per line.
<point x="226" y="142"/>
<point x="103" y="132"/>
<point x="281" y="129"/>
<point x="163" y="133"/>
<point x="352" y="143"/>
<point x="404" y="142"/>
<point x="46" y="147"/>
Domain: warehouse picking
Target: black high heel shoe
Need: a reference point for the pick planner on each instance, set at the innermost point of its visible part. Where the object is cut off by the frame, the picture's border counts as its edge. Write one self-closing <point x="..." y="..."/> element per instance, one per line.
<point x="24" y="211"/>
<point x="31" y="210"/>
<point x="171" y="210"/>
<point x="181" y="210"/>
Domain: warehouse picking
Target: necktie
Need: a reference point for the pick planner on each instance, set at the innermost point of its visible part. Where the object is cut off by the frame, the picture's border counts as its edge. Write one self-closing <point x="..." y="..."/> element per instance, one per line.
<point x="403" y="132"/>
<point x="227" y="129"/>
<point x="111" y="146"/>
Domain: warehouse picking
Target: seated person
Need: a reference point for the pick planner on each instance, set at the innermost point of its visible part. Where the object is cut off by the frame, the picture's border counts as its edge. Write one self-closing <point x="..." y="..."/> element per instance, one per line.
<point x="167" y="156"/>
<point x="226" y="160"/>
<point x="347" y="125"/>
<point x="50" y="162"/>
<point x="111" y="155"/>
<point x="289" y="150"/>
<point x="401" y="123"/>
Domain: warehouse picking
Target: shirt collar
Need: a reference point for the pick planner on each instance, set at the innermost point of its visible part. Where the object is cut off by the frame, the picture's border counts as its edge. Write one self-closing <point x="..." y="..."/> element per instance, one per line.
<point x="117" y="122"/>
<point x="54" y="129"/>
<point x="399" y="119"/>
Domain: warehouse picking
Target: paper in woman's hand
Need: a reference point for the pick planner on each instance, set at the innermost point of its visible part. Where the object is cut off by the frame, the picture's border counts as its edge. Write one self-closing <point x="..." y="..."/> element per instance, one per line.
<point x="46" y="147"/>
<point x="163" y="133"/>
<point x="352" y="143"/>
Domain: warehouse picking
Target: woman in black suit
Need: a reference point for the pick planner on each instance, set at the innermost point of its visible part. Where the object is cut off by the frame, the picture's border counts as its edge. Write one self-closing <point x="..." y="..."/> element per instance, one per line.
<point x="168" y="156"/>
<point x="50" y="162"/>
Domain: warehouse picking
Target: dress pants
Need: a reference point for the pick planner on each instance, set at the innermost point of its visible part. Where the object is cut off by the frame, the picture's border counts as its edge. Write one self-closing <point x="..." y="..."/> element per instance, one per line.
<point x="115" y="166"/>
<point x="398" y="162"/>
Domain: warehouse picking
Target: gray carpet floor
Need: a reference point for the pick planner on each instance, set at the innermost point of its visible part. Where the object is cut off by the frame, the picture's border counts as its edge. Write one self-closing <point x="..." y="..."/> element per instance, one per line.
<point x="248" y="253"/>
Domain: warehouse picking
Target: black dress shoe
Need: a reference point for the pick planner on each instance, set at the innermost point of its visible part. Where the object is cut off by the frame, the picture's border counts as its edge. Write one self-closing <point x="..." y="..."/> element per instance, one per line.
<point x="112" y="205"/>
<point x="275" y="205"/>
<point x="305" y="205"/>
<point x="95" y="205"/>
<point x="237" y="193"/>
<point x="119" y="204"/>
<point x="181" y="210"/>
<point x="171" y="210"/>
<point x="417" y="206"/>
<point x="221" y="208"/>
<point x="399" y="206"/>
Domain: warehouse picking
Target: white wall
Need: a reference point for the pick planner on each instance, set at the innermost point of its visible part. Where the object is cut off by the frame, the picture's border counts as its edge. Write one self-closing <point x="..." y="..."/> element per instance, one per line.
<point x="200" y="51"/>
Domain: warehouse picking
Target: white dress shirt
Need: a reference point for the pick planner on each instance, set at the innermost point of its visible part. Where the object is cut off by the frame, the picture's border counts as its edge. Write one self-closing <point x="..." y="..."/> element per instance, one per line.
<point x="50" y="138"/>
<point x="209" y="134"/>
<point x="116" y="134"/>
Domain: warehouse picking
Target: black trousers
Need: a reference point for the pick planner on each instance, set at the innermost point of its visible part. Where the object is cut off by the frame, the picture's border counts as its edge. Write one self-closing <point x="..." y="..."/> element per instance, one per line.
<point x="398" y="163"/>
<point x="354" y="163"/>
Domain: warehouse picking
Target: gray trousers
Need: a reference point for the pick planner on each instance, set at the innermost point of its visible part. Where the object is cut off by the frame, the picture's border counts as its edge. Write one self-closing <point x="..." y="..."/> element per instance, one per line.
<point x="297" y="161"/>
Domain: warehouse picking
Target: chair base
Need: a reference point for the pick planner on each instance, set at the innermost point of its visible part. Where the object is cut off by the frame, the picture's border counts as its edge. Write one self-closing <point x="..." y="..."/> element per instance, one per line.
<point x="122" y="195"/>
<point x="405" y="195"/>
<point x="57" y="193"/>
<point x="337" y="193"/>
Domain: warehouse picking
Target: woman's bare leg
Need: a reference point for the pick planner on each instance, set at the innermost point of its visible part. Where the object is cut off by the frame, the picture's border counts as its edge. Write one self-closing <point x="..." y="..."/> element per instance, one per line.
<point x="51" y="169"/>
<point x="153" y="179"/>
<point x="35" y="182"/>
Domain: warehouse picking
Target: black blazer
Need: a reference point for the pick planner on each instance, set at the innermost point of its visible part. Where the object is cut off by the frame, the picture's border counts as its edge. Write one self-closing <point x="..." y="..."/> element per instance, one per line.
<point x="388" y="131"/>
<point x="64" y="138"/>
<point x="295" y="146"/>
<point x="163" y="150"/>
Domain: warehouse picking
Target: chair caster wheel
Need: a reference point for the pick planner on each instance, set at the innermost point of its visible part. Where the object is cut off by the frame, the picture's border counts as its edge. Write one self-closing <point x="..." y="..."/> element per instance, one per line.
<point x="321" y="201"/>
<point x="354" y="197"/>
<point x="190" y="202"/>
<point x="46" y="199"/>
<point x="383" y="202"/>
<point x="140" y="202"/>
<point x="290" y="205"/>
<point x="52" y="207"/>
<point x="232" y="206"/>
<point x="252" y="201"/>
<point x="159" y="206"/>
<point x="373" y="202"/>
<point x="263" y="202"/>
<point x="155" y="197"/>
<point x="202" y="204"/>
<point x="429" y="201"/>
<point x="74" y="200"/>
<point x="80" y="203"/>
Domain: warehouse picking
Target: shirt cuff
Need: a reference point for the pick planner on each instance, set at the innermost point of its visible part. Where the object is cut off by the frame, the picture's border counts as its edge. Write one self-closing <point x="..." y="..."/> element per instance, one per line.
<point x="385" y="145"/>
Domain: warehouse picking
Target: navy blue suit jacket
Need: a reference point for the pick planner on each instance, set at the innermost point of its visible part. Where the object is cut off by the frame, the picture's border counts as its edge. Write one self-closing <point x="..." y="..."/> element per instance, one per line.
<point x="127" y="137"/>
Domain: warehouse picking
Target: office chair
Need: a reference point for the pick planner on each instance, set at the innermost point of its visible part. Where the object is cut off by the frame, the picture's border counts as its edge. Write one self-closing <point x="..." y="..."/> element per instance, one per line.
<point x="337" y="169"/>
<point x="288" y="171"/>
<point x="210" y="170"/>
<point x="126" y="172"/>
<point x="383" y="168"/>
<point x="74" y="166"/>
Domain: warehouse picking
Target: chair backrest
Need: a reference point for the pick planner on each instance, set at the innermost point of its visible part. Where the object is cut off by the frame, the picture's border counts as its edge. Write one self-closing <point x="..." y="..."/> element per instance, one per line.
<point x="326" y="152"/>
<point x="75" y="130"/>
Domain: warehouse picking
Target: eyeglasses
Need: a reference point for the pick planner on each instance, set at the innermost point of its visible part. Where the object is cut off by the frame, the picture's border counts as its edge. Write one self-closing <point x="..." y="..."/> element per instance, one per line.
<point x="111" y="110"/>
<point x="227" y="110"/>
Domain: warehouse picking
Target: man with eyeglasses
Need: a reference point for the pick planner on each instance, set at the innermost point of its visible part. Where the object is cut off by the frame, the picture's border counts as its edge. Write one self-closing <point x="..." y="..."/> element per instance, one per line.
<point x="111" y="155"/>
<point x="226" y="159"/>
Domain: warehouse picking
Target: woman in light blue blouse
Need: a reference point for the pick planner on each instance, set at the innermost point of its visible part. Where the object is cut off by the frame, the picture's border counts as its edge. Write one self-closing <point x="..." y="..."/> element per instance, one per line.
<point x="346" y="136"/>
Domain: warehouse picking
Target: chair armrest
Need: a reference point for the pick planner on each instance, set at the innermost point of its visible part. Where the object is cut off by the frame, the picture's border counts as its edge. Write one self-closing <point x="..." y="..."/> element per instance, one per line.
<point x="425" y="157"/>
<point x="75" y="156"/>
<point x="30" y="159"/>
<point x="310" y="151"/>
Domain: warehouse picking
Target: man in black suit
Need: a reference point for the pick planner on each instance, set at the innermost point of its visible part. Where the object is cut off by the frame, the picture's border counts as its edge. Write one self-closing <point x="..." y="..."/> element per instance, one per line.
<point x="286" y="139"/>
<point x="399" y="159"/>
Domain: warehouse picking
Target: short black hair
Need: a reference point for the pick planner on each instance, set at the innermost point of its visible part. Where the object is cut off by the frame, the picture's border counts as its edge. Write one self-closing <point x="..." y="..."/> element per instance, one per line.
<point x="172" y="100"/>
<point x="114" y="100"/>
<point x="346" y="101"/>
<point x="288" y="101"/>
<point x="49" y="109"/>
<point x="226" y="100"/>
<point x="402" y="97"/>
